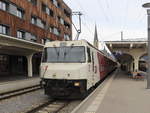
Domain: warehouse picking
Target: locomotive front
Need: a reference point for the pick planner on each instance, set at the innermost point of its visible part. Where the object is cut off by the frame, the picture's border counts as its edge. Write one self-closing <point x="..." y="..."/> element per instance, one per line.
<point x="64" y="69"/>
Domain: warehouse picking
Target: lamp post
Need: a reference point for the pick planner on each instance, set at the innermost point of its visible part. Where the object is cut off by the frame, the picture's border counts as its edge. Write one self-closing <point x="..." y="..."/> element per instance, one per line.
<point x="147" y="6"/>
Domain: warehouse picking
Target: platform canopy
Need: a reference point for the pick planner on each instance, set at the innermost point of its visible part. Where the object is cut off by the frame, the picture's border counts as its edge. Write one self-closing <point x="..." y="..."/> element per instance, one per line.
<point x="19" y="47"/>
<point x="128" y="52"/>
<point x="15" y="46"/>
<point x="126" y="44"/>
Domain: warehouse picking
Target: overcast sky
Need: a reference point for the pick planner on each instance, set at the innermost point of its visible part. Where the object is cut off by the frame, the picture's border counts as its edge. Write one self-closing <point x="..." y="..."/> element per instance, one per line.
<point x="111" y="17"/>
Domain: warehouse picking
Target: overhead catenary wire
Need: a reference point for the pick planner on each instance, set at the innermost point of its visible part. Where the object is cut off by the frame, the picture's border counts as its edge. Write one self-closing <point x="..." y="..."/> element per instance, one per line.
<point x="140" y="12"/>
<point x="108" y="15"/>
<point x="90" y="30"/>
<point x="85" y="19"/>
<point x="125" y="17"/>
<point x="139" y="18"/>
<point x="103" y="11"/>
<point x="116" y="33"/>
<point x="85" y="14"/>
<point x="79" y="14"/>
<point x="107" y="3"/>
<point x="88" y="17"/>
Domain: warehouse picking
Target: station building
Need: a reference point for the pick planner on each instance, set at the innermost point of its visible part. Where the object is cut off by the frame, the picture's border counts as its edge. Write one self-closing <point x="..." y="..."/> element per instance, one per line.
<point x="25" y="25"/>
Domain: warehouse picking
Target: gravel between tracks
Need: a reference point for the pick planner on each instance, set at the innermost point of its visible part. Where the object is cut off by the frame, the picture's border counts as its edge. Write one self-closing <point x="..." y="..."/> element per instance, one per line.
<point x="22" y="103"/>
<point x="70" y="107"/>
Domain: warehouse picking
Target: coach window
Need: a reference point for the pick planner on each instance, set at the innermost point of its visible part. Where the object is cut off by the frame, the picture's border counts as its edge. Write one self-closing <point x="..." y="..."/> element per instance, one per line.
<point x="93" y="61"/>
<point x="89" y="54"/>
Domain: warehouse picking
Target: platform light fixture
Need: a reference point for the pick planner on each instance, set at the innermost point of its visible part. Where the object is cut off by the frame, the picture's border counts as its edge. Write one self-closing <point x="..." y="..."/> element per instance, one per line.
<point x="147" y="6"/>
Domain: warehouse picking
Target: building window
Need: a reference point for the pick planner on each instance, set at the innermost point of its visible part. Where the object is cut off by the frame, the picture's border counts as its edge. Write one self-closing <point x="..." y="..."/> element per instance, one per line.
<point x="4" y="29"/>
<point x="20" y="13"/>
<point x="20" y="34"/>
<point x="43" y="7"/>
<point x="47" y="10"/>
<point x="67" y="25"/>
<point x="55" y="2"/>
<point x="33" y="38"/>
<point x="67" y="13"/>
<point x="3" y="6"/>
<point x="38" y="22"/>
<point x="43" y="24"/>
<point x="44" y="40"/>
<point x="51" y="13"/>
<point x="56" y="31"/>
<point x="30" y="37"/>
<point x="59" y="6"/>
<point x="33" y="20"/>
<point x="34" y="2"/>
<point x="51" y="29"/>
<point x="4" y="63"/>
<point x="66" y="37"/>
<point x="61" y="20"/>
<point x="58" y="18"/>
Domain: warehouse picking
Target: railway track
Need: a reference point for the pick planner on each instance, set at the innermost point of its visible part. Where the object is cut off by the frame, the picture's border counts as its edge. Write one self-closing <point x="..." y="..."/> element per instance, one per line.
<point x="51" y="106"/>
<point x="15" y="93"/>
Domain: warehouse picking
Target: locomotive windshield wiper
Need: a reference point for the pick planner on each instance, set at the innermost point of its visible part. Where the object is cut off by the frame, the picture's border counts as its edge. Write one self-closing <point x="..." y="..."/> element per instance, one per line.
<point x="56" y="52"/>
<point x="65" y="53"/>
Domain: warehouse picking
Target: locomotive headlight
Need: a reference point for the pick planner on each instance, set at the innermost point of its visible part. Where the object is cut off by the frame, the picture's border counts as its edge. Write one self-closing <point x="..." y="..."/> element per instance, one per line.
<point x="77" y="84"/>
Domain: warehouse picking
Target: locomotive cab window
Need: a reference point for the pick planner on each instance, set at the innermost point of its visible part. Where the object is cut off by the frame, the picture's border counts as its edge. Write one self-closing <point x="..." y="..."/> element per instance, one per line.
<point x="75" y="54"/>
<point x="88" y="54"/>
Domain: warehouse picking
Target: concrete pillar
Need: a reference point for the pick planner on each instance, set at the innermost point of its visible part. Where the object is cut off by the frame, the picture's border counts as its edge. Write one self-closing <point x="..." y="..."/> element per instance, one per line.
<point x="128" y="65"/>
<point x="136" y="64"/>
<point x="131" y="67"/>
<point x="29" y="60"/>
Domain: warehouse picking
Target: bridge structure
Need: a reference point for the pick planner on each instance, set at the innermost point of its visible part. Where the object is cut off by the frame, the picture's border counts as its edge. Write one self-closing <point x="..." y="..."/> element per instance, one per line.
<point x="132" y="54"/>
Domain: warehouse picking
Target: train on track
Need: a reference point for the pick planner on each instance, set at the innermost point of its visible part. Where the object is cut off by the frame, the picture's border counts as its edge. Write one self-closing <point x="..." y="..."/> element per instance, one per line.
<point x="69" y="69"/>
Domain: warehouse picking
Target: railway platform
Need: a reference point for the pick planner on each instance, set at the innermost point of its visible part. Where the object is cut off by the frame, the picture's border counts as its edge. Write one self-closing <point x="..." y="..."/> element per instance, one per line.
<point x="117" y="94"/>
<point x="18" y="84"/>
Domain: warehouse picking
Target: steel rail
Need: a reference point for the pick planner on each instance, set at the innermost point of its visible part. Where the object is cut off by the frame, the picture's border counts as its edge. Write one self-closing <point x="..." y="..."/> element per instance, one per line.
<point x="18" y="92"/>
<point x="51" y="106"/>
